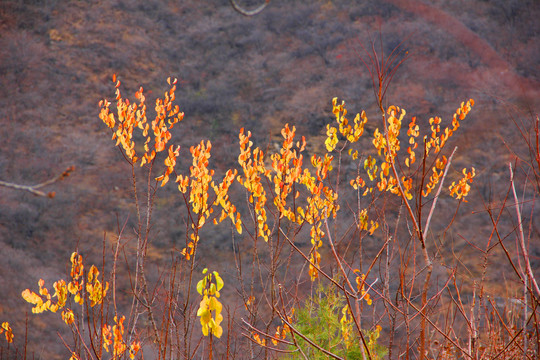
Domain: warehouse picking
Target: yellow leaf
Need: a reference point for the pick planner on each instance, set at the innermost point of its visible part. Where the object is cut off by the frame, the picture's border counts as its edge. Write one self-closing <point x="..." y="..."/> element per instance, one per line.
<point x="67" y="316"/>
<point x="31" y="296"/>
<point x="217" y="331"/>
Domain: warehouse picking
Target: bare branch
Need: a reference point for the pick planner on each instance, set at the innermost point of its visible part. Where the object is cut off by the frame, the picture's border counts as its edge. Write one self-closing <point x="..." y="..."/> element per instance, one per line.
<point x="34" y="188"/>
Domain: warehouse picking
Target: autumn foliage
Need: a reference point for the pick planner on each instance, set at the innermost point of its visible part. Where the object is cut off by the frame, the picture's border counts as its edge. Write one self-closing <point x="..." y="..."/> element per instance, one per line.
<point x="290" y="214"/>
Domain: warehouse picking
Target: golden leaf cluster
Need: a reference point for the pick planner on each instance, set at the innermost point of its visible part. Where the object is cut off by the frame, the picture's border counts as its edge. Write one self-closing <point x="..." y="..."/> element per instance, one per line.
<point x="95" y="290"/>
<point x="296" y="191"/>
<point x="8" y="333"/>
<point x="114" y="337"/>
<point x="79" y="288"/>
<point x="387" y="144"/>
<point x="210" y="308"/>
<point x="130" y="116"/>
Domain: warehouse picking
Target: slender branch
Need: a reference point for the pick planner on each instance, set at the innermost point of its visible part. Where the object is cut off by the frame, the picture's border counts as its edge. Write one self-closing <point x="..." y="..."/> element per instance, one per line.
<point x="432" y="210"/>
<point x="34" y="188"/>
<point x="266" y="335"/>
<point x="355" y="320"/>
<point x="336" y="255"/>
<point x="530" y="274"/>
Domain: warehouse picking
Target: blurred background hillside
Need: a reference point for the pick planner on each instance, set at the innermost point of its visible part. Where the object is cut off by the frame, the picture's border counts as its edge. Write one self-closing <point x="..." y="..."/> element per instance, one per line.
<point x="281" y="66"/>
